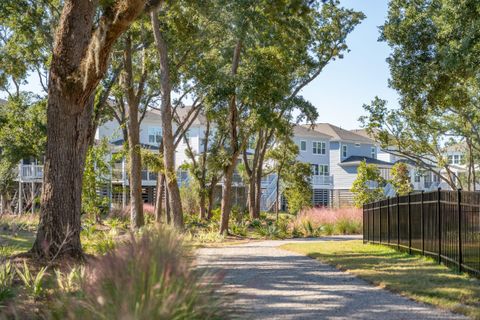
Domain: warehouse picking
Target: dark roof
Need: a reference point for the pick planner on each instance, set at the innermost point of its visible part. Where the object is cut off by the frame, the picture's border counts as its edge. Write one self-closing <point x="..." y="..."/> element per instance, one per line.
<point x="143" y="145"/>
<point x="355" y="160"/>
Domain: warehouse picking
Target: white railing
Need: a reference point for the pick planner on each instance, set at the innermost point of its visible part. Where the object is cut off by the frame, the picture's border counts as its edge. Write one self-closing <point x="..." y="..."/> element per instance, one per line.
<point x="31" y="172"/>
<point x="269" y="195"/>
<point x="322" y="180"/>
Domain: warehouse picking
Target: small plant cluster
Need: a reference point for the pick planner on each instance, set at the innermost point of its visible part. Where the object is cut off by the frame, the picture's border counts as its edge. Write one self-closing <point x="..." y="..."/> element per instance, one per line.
<point x="316" y="222"/>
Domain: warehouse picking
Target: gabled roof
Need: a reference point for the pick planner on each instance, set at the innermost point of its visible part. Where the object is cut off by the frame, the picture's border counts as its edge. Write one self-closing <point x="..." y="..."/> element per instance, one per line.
<point x="339" y="134"/>
<point x="456" y="147"/>
<point x="355" y="161"/>
<point x="183" y="112"/>
<point x="304" y="131"/>
<point x="2" y="101"/>
<point x="120" y="142"/>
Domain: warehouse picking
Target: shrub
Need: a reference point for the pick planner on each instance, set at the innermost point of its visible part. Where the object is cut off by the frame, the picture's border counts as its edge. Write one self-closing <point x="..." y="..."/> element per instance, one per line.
<point x="151" y="277"/>
<point x="325" y="221"/>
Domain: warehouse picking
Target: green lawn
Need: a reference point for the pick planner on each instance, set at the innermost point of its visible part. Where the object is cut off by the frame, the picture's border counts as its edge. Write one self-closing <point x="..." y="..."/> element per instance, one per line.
<point x="416" y="277"/>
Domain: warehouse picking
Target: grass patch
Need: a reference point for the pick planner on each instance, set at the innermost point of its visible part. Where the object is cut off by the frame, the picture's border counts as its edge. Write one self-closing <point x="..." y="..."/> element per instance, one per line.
<point x="416" y="277"/>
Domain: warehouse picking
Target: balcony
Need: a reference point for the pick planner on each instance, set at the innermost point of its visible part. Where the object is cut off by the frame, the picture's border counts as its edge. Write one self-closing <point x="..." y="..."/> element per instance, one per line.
<point x="322" y="180"/>
<point x="30" y="172"/>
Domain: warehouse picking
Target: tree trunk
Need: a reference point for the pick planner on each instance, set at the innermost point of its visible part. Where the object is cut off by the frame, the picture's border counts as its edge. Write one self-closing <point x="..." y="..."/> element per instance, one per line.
<point x="211" y="193"/>
<point x="258" y="190"/>
<point x="68" y="136"/>
<point x="135" y="170"/>
<point x="252" y="196"/>
<point x="159" y="199"/>
<point x="167" y="206"/>
<point x="203" y="214"/>
<point x="167" y="118"/>
<point x="79" y="61"/>
<point x="226" y="198"/>
<point x="277" y="195"/>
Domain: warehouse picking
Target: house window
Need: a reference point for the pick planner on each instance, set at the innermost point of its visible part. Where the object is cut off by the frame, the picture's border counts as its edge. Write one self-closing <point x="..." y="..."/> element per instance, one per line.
<point x="417" y="177"/>
<point x="315" y="170"/>
<point x="450" y="159"/>
<point x="344" y="151"/>
<point x="154" y="135"/>
<point x="374" y="152"/>
<point x="303" y="145"/>
<point x="318" y="147"/>
<point x="323" y="170"/>
<point x="456" y="159"/>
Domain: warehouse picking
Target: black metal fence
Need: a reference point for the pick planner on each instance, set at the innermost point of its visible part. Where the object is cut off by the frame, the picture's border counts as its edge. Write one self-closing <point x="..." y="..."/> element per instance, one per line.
<point x="441" y="224"/>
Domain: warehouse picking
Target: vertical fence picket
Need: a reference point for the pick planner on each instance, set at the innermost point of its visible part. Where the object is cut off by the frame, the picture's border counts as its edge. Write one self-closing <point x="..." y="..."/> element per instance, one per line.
<point x="409" y="225"/>
<point x="459" y="208"/>
<point x="439" y="226"/>
<point x="388" y="220"/>
<point x="398" y="221"/>
<point x="380" y="221"/>
<point x="422" y="222"/>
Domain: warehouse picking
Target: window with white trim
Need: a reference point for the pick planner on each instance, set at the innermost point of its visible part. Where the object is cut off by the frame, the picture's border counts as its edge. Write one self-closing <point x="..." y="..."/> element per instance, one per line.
<point x="318" y="147"/>
<point x="154" y="135"/>
<point x="303" y="145"/>
<point x="374" y="152"/>
<point x="344" y="150"/>
<point x="320" y="169"/>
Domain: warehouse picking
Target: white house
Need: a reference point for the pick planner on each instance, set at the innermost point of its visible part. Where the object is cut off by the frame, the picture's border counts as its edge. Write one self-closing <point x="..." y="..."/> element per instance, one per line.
<point x="333" y="153"/>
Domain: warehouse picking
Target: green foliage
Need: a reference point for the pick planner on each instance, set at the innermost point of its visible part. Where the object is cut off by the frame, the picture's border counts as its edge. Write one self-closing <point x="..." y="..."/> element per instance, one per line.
<point x="96" y="177"/>
<point x="6" y="281"/>
<point x="298" y="189"/>
<point x="401" y="178"/>
<point x="434" y="68"/>
<point x="69" y="282"/>
<point x="368" y="186"/>
<point x="190" y="200"/>
<point x="32" y="283"/>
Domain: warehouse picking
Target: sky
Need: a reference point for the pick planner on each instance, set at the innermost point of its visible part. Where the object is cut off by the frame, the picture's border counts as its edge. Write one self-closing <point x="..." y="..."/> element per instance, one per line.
<point x="345" y="85"/>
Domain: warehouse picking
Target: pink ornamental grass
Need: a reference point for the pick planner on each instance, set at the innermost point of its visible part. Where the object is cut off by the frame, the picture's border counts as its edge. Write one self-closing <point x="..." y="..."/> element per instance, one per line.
<point x="335" y="219"/>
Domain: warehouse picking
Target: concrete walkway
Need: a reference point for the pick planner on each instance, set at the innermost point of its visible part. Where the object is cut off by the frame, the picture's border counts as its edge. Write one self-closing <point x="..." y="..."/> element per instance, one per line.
<point x="270" y="283"/>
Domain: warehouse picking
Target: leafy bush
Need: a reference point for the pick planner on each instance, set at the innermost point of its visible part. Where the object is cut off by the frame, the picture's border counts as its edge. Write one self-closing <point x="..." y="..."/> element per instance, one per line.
<point x="239" y="228"/>
<point x="151" y="277"/>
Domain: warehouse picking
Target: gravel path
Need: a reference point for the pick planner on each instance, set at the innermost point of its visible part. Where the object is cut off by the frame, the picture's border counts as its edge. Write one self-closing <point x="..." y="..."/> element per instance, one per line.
<point x="270" y="283"/>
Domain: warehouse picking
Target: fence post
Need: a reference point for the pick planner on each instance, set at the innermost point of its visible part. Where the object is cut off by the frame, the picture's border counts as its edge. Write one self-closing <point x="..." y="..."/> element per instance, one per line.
<point x="367" y="214"/>
<point x="388" y="220"/>
<point x="373" y="222"/>
<point x="398" y="221"/>
<point x="439" y="227"/>
<point x="409" y="225"/>
<point x="380" y="221"/>
<point x="423" y="223"/>
<point x="460" y="253"/>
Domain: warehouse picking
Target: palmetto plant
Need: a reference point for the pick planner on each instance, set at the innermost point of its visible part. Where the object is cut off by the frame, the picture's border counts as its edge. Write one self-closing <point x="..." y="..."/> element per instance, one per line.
<point x="6" y="280"/>
<point x="33" y="283"/>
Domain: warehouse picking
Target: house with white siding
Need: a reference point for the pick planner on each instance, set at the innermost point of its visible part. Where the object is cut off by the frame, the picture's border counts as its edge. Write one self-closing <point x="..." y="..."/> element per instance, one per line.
<point x="334" y="154"/>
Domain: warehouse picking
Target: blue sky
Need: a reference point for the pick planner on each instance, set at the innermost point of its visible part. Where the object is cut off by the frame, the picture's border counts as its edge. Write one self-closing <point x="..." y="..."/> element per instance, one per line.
<point x="345" y="85"/>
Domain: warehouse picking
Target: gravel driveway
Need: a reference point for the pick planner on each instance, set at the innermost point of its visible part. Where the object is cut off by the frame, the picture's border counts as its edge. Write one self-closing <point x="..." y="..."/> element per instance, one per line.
<point x="270" y="283"/>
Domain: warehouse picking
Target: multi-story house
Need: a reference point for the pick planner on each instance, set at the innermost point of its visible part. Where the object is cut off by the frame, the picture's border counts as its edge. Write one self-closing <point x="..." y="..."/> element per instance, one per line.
<point x="333" y="153"/>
